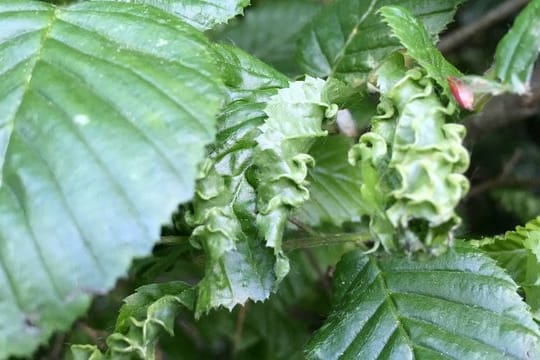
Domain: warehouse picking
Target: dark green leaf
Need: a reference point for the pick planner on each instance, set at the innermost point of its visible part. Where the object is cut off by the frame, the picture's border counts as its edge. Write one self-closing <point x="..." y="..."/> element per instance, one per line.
<point x="106" y="109"/>
<point x="457" y="306"/>
<point x="518" y="252"/>
<point x="334" y="188"/>
<point x="348" y="39"/>
<point x="270" y="31"/>
<point x="523" y="204"/>
<point x="518" y="50"/>
<point x="202" y="14"/>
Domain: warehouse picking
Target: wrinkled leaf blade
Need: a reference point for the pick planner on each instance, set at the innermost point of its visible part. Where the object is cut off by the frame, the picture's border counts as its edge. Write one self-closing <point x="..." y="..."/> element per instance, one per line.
<point x="201" y="14"/>
<point x="459" y="305"/>
<point x="108" y="107"/>
<point x="244" y="271"/>
<point x="517" y="51"/>
<point x="348" y="39"/>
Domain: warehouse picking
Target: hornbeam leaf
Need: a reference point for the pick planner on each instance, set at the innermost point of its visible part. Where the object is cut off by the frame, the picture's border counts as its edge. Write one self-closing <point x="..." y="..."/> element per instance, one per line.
<point x="238" y="265"/>
<point x="201" y="14"/>
<point x="105" y="112"/>
<point x="348" y="38"/>
<point x="518" y="252"/>
<point x="420" y="46"/>
<point x="457" y="306"/>
<point x="518" y="50"/>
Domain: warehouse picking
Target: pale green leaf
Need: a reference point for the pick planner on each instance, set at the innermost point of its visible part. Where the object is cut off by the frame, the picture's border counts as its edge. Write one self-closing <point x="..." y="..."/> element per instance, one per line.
<point x="201" y="14"/>
<point x="270" y="31"/>
<point x="146" y="314"/>
<point x="518" y="50"/>
<point x="457" y="306"/>
<point x="348" y="39"/>
<point x="413" y="35"/>
<point x="518" y="252"/>
<point x="106" y="109"/>
<point x="238" y="266"/>
<point x="334" y="185"/>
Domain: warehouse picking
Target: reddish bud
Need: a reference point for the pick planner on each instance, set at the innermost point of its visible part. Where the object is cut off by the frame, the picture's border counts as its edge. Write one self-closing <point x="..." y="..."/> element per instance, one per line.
<point x="462" y="93"/>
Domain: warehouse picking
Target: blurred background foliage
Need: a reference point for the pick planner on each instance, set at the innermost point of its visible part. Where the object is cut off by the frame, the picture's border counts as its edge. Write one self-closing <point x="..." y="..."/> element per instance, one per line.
<point x="505" y="192"/>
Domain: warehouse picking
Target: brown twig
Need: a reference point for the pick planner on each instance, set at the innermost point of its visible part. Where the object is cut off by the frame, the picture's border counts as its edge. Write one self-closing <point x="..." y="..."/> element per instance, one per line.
<point x="461" y="35"/>
<point x="240" y="320"/>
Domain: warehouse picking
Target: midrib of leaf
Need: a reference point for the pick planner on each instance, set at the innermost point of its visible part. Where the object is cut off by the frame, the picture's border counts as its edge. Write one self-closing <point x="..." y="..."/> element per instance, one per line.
<point x="26" y="84"/>
<point x="350" y="37"/>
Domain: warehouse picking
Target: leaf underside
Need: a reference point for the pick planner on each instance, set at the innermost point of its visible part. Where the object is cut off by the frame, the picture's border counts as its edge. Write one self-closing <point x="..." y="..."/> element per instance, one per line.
<point x="105" y="110"/>
<point x="348" y="39"/>
<point x="201" y="14"/>
<point x="457" y="306"/>
<point x="518" y="50"/>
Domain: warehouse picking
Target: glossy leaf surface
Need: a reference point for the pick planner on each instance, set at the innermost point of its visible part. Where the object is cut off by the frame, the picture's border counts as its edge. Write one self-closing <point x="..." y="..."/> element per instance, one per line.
<point x="106" y="109"/>
<point x="457" y="306"/>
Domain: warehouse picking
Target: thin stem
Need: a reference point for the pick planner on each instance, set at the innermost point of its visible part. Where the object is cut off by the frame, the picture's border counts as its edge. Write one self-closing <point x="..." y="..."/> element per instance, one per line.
<point x="240" y="320"/>
<point x="359" y="239"/>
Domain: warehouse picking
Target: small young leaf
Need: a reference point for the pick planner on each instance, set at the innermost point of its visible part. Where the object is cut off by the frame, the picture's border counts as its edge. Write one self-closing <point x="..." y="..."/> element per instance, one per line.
<point x="518" y="50"/>
<point x="459" y="305"/>
<point x="420" y="46"/>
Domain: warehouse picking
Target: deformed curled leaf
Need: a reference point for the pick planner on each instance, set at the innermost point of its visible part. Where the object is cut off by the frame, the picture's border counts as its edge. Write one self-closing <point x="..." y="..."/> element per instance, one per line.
<point x="238" y="265"/>
<point x="150" y="311"/>
<point x="412" y="163"/>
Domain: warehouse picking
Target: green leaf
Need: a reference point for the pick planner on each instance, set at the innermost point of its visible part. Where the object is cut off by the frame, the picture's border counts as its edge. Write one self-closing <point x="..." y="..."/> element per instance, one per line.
<point x="334" y="188"/>
<point x="150" y="311"/>
<point x="524" y="204"/>
<point x="201" y="14"/>
<point x="238" y="266"/>
<point x="517" y="51"/>
<point x="348" y="39"/>
<point x="518" y="252"/>
<point x="105" y="114"/>
<point x="295" y="118"/>
<point x="413" y="35"/>
<point x="270" y="31"/>
<point x="411" y="163"/>
<point x="459" y="305"/>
